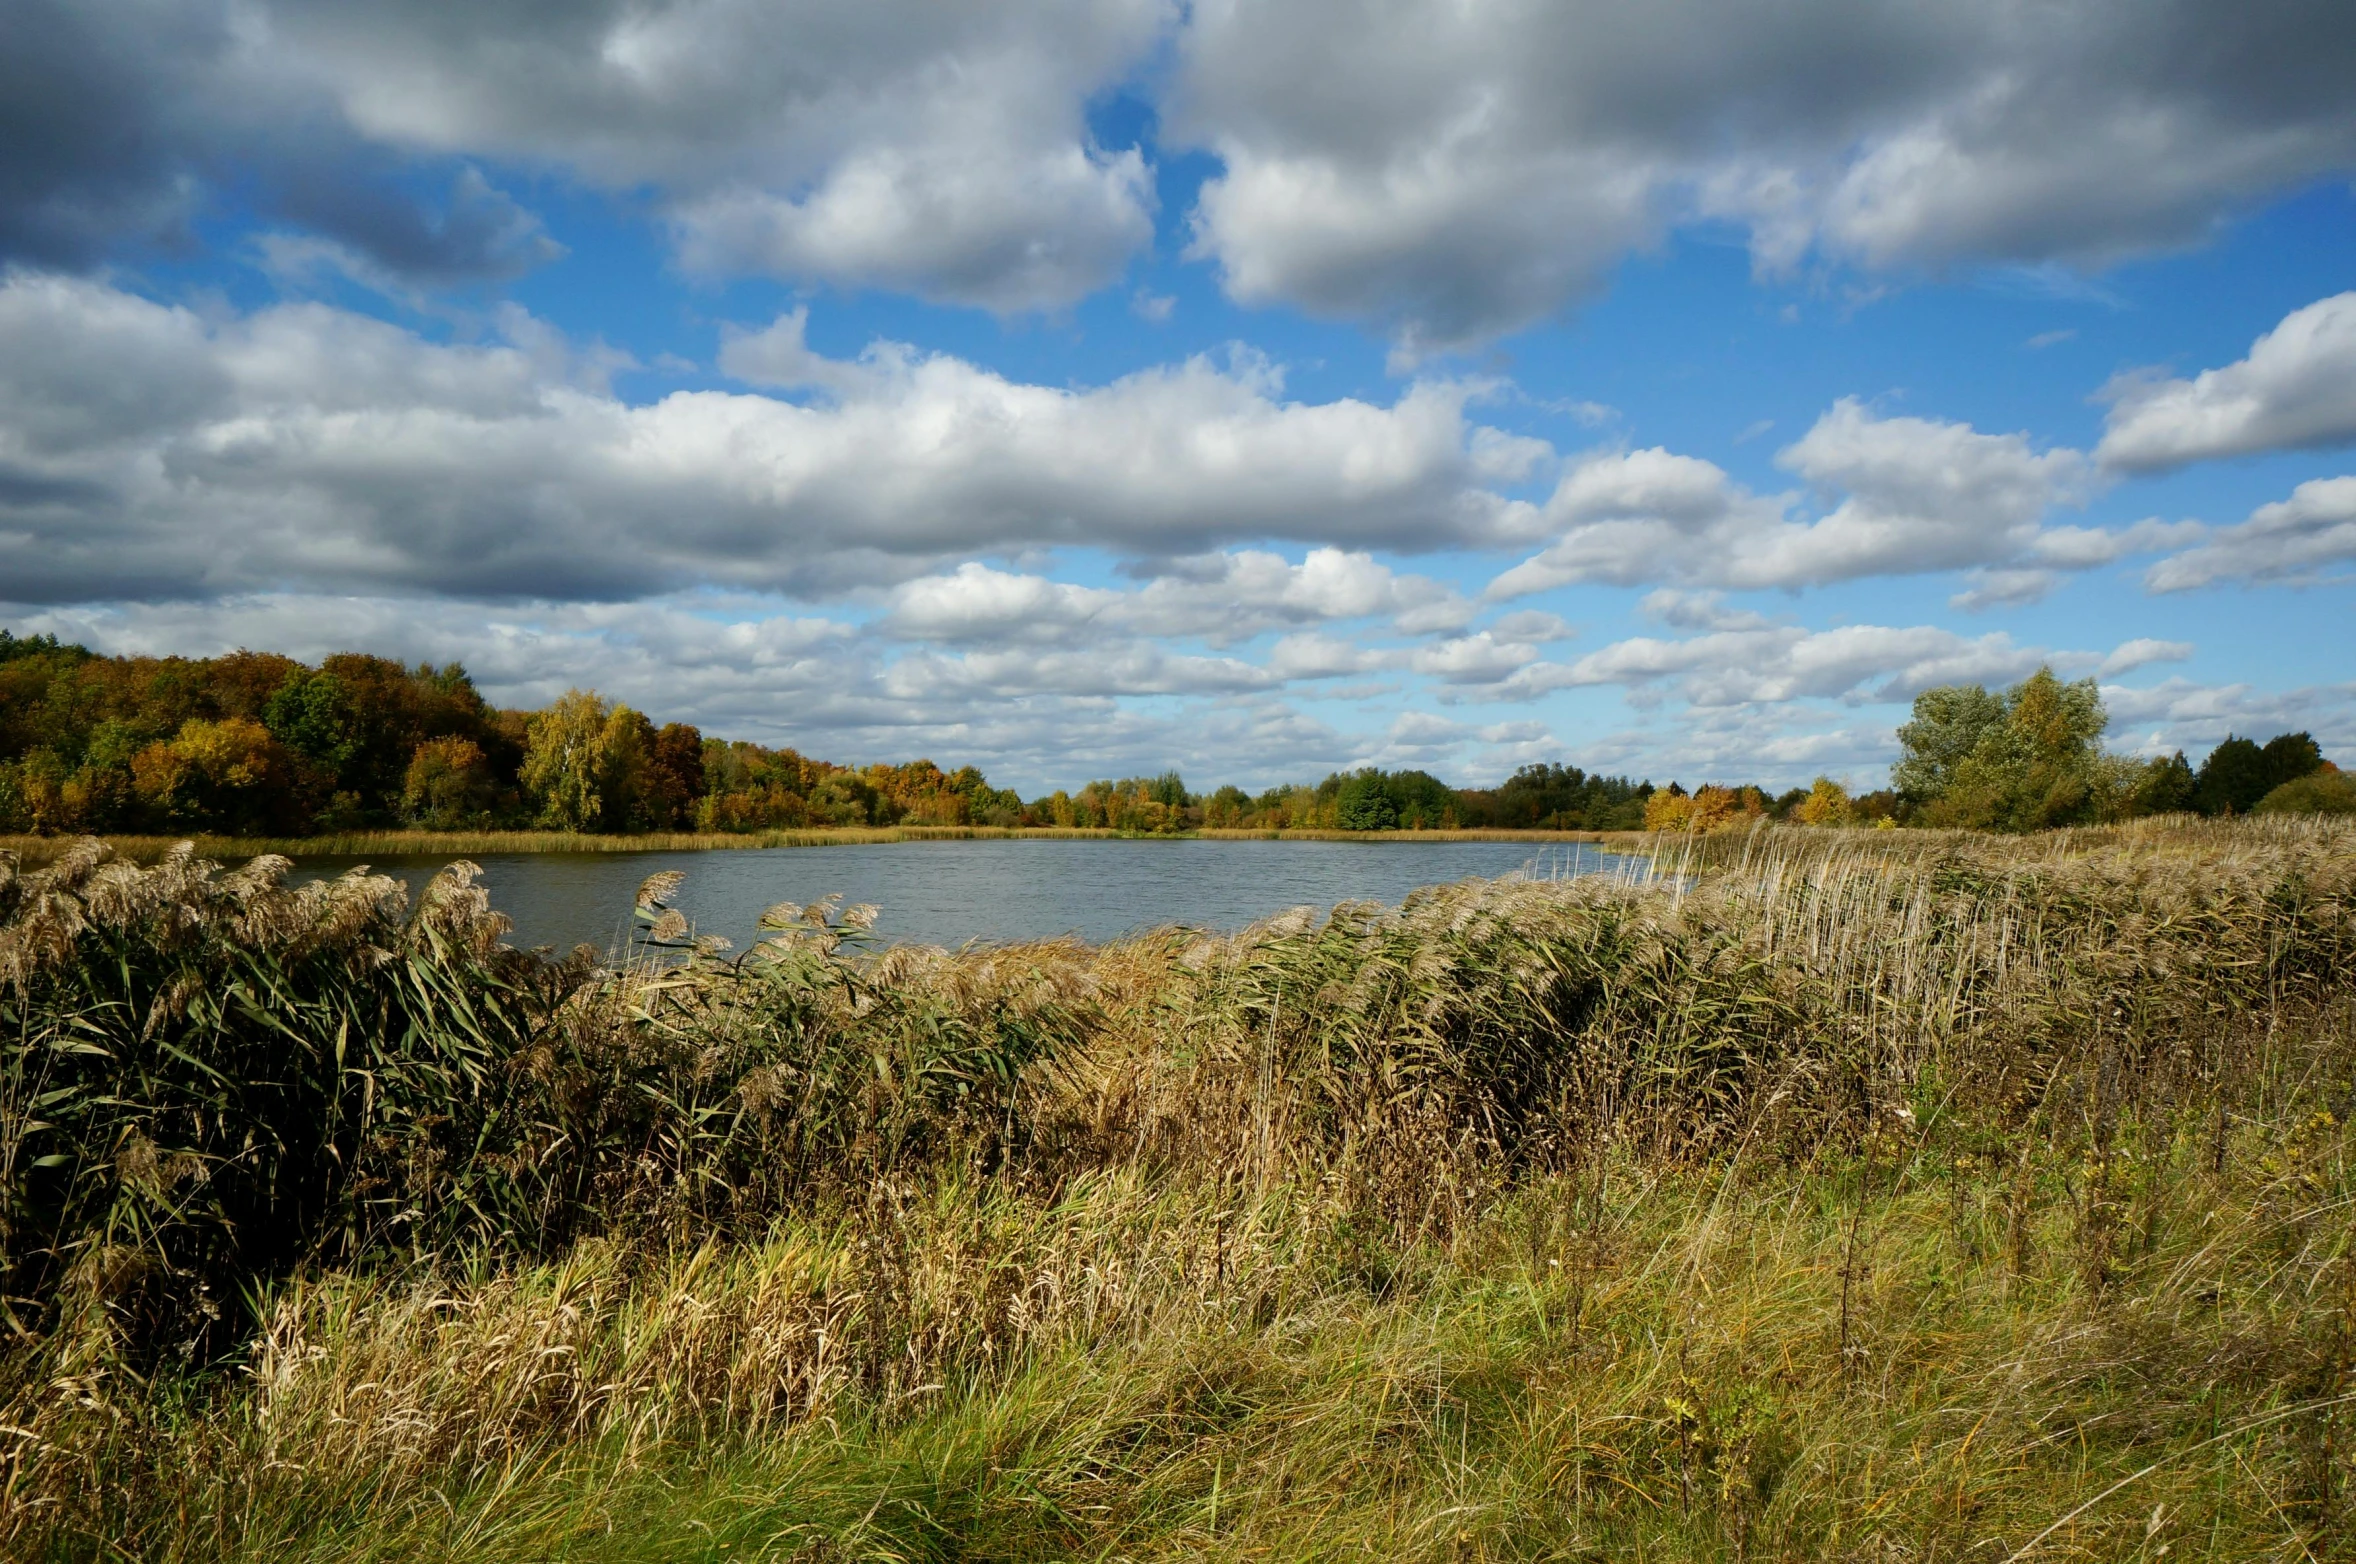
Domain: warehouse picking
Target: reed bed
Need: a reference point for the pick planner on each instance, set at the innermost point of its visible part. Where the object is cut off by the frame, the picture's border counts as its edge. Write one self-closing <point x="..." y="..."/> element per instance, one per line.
<point x="1835" y="1196"/>
<point x="37" y="851"/>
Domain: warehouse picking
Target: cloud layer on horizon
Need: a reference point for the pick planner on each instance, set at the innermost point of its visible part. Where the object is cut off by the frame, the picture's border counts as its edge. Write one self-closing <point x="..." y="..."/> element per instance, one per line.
<point x="303" y="454"/>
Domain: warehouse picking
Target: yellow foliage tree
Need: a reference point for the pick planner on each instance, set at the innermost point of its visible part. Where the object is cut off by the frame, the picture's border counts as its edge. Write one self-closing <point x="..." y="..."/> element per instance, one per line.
<point x="584" y="763"/>
<point x="1827" y="803"/>
<point x="1707" y="809"/>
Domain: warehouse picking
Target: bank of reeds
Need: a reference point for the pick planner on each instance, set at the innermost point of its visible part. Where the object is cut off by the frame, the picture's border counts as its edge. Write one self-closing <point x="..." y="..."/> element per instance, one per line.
<point x="1842" y="1197"/>
<point x="36" y="851"/>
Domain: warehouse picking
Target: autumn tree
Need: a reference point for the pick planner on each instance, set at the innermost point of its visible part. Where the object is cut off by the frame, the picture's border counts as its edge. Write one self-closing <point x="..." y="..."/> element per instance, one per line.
<point x="448" y="784"/>
<point x="577" y="758"/>
<point x="230" y="775"/>
<point x="674" y="775"/>
<point x="1827" y="803"/>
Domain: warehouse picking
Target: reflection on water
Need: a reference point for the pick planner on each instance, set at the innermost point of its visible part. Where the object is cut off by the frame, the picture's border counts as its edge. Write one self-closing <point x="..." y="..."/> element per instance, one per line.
<point x="947" y="893"/>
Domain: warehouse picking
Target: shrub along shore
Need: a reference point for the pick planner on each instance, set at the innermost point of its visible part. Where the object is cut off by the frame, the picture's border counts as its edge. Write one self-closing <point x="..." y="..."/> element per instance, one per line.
<point x="1860" y="1194"/>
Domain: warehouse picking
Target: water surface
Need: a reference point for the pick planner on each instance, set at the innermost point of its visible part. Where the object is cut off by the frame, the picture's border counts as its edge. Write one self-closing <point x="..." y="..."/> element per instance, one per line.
<point x="948" y="893"/>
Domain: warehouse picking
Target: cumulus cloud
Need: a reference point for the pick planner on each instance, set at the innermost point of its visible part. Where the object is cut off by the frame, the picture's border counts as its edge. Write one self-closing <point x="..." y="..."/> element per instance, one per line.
<point x="1228" y="598"/>
<point x="1138" y="668"/>
<point x="119" y="121"/>
<point x="938" y="149"/>
<point x="1445" y="171"/>
<point x="1479" y="658"/>
<point x="942" y="150"/>
<point x="2185" y="714"/>
<point x="2141" y="653"/>
<point x="2004" y="588"/>
<point x="147" y="451"/>
<point x="1757" y="662"/>
<point x="1774" y="745"/>
<point x="1454" y="171"/>
<point x="2293" y="540"/>
<point x="2296" y="390"/>
<point x="1910" y="495"/>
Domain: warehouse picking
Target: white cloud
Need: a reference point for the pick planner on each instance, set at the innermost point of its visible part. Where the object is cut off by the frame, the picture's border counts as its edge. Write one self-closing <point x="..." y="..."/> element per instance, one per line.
<point x="1222" y="599"/>
<point x="2013" y="588"/>
<point x="1914" y="495"/>
<point x="995" y="606"/>
<point x="1769" y="663"/>
<point x="939" y="150"/>
<point x="2293" y="540"/>
<point x="1480" y="658"/>
<point x="1533" y="626"/>
<point x="148" y="451"/>
<point x="1453" y="171"/>
<point x="1445" y="170"/>
<point x="1774" y="746"/>
<point x="2179" y="713"/>
<point x="2142" y="652"/>
<point x="2296" y="390"/>
<point x="1137" y="668"/>
<point x="1312" y="654"/>
<point x="945" y="224"/>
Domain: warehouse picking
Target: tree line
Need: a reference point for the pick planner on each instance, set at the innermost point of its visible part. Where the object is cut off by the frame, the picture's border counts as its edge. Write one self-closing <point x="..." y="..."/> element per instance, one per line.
<point x="257" y="744"/>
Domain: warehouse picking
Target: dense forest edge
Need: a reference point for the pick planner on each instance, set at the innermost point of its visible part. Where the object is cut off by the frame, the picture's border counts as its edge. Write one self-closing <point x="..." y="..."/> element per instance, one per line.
<point x="259" y="749"/>
<point x="1854" y="1194"/>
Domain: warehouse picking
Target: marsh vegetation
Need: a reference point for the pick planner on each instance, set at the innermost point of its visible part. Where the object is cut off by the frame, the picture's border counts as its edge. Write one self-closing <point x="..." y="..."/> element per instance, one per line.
<point x="1878" y="1195"/>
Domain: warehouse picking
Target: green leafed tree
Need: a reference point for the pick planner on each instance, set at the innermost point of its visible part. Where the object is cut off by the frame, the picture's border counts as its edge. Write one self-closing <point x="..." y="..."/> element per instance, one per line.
<point x="2240" y="772"/>
<point x="1364" y="804"/>
<point x="2165" y="786"/>
<point x="311" y="714"/>
<point x="1949" y="724"/>
<point x="2024" y="761"/>
<point x="2324" y="791"/>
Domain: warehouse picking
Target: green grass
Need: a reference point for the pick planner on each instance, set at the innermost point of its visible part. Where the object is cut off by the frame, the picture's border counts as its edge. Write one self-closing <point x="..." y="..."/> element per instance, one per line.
<point x="1944" y="1198"/>
<point x="1704" y="1365"/>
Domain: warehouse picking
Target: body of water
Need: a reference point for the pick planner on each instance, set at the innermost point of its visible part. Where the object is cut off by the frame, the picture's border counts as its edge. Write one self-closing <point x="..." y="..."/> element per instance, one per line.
<point x="947" y="893"/>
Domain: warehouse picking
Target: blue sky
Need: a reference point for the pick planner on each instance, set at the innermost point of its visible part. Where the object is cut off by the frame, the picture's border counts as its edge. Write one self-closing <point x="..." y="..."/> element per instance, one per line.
<point x="1091" y="386"/>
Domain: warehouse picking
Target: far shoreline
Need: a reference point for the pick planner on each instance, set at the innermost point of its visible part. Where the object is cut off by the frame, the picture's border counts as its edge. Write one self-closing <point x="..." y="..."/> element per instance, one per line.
<point x="34" y="851"/>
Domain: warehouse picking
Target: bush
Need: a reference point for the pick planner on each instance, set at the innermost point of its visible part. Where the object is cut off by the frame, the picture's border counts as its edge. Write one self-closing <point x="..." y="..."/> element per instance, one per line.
<point x="2317" y="793"/>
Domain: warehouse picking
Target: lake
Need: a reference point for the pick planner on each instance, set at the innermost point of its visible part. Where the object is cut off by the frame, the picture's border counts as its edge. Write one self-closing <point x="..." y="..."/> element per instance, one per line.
<point x="947" y="893"/>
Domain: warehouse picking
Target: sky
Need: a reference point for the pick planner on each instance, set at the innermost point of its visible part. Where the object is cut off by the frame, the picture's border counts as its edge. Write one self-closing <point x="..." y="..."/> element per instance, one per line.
<point x="1083" y="388"/>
